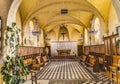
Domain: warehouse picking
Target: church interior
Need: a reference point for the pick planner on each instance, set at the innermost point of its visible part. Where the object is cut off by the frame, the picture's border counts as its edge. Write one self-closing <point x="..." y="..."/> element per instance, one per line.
<point x="60" y="42"/>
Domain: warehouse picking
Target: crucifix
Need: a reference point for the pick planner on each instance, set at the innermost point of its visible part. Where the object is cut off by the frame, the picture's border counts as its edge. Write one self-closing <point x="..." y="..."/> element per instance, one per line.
<point x="63" y="33"/>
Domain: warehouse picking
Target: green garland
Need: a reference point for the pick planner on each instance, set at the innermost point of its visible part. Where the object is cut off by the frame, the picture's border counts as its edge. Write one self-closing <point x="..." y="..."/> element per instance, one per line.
<point x="13" y="69"/>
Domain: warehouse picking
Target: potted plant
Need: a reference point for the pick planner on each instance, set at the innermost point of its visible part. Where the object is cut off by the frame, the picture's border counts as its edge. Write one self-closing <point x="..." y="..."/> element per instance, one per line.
<point x="13" y="69"/>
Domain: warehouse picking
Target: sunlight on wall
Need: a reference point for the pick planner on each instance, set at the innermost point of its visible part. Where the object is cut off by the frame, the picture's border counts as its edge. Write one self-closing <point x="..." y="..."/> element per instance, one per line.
<point x="19" y="24"/>
<point x="86" y="38"/>
<point x="112" y="21"/>
<point x="28" y="37"/>
<point x="75" y="35"/>
<point x="97" y="28"/>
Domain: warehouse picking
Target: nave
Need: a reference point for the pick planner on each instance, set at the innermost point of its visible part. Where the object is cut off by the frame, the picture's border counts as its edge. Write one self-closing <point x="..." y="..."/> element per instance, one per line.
<point x="65" y="70"/>
<point x="62" y="41"/>
<point x="71" y="72"/>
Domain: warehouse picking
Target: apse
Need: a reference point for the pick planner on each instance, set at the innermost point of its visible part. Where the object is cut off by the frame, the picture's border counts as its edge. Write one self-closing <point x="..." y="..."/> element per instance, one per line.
<point x="63" y="33"/>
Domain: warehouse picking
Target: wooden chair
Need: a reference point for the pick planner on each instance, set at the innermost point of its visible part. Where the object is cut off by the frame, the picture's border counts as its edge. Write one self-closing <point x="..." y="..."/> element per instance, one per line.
<point x="45" y="59"/>
<point x="35" y="66"/>
<point x="40" y="62"/>
<point x="83" y="58"/>
<point x="90" y="61"/>
<point x="33" y="76"/>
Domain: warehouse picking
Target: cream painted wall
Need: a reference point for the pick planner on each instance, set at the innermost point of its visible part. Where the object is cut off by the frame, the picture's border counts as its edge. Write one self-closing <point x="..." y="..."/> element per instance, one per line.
<point x="41" y="39"/>
<point x="19" y="23"/>
<point x="18" y="20"/>
<point x="112" y="20"/>
<point x="75" y="35"/>
<point x="52" y="35"/>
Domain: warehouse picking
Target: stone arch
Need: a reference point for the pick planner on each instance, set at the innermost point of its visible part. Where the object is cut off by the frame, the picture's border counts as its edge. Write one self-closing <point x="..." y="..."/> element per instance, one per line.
<point x="63" y="19"/>
<point x="11" y="18"/>
<point x="12" y="12"/>
<point x="89" y="6"/>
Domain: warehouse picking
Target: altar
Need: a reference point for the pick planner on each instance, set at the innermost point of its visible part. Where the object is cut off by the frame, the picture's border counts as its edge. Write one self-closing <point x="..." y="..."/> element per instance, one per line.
<point x="63" y="48"/>
<point x="63" y="52"/>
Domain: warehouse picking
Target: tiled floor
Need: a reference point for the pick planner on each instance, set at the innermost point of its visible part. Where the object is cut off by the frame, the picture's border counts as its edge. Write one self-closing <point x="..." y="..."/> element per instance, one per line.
<point x="102" y="78"/>
<point x="38" y="81"/>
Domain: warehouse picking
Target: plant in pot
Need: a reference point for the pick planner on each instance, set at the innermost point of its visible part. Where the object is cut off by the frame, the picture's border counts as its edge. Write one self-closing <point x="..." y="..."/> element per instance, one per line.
<point x="13" y="69"/>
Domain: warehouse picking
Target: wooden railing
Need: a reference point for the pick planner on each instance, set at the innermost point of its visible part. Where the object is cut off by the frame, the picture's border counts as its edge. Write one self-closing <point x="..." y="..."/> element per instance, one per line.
<point x="94" y="48"/>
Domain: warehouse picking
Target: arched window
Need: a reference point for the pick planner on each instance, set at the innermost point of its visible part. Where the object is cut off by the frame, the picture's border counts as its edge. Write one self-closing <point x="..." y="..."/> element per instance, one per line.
<point x="29" y="39"/>
<point x="33" y="39"/>
<point x="86" y="38"/>
<point x="97" y="28"/>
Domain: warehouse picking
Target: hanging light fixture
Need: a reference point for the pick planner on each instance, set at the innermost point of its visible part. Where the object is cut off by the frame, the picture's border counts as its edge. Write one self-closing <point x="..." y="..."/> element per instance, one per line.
<point x="92" y="30"/>
<point x="36" y="31"/>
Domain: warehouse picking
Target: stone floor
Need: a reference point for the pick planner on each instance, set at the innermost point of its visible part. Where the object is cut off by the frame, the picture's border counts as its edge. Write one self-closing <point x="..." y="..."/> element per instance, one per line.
<point x="103" y="79"/>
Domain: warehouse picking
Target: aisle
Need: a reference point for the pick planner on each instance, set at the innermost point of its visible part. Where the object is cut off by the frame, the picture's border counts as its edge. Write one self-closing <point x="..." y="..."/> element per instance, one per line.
<point x="71" y="70"/>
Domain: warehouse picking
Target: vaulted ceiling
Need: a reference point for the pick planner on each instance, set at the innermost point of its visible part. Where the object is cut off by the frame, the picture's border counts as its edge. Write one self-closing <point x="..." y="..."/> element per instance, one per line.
<point x="48" y="12"/>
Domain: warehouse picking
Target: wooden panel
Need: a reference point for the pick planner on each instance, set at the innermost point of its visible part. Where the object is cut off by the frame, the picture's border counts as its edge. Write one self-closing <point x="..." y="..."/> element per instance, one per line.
<point x="86" y="50"/>
<point x="48" y="50"/>
<point x="80" y="50"/>
<point x="116" y="60"/>
<point x="28" y="50"/>
<point x="110" y="44"/>
<point x="94" y="48"/>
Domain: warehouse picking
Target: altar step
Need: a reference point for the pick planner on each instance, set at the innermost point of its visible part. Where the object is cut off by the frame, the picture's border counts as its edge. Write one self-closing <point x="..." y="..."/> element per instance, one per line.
<point x="64" y="58"/>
